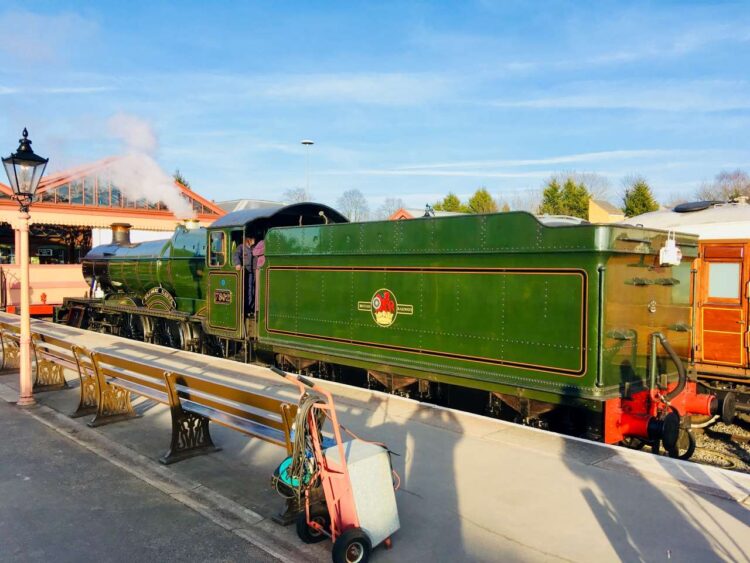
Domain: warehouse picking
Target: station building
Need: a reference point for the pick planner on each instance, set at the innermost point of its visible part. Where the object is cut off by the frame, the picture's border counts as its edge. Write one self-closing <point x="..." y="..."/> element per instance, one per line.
<point x="72" y="211"/>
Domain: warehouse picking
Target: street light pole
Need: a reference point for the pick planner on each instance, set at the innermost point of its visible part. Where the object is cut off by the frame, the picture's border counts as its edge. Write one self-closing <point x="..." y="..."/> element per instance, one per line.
<point x="307" y="143"/>
<point x="25" y="170"/>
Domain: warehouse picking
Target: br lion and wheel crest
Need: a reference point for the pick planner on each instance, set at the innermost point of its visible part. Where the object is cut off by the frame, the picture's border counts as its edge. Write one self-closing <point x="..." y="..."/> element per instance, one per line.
<point x="384" y="307"/>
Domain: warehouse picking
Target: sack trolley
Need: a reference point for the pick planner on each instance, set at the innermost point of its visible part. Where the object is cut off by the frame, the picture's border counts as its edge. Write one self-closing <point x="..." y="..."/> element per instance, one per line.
<point x="358" y="482"/>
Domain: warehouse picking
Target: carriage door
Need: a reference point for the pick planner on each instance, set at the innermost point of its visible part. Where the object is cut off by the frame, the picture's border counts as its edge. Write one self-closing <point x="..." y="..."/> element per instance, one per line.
<point x="723" y="304"/>
<point x="224" y="295"/>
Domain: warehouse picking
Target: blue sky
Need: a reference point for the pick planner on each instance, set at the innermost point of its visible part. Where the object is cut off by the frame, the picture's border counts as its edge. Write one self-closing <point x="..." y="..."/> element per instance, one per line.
<point x="403" y="99"/>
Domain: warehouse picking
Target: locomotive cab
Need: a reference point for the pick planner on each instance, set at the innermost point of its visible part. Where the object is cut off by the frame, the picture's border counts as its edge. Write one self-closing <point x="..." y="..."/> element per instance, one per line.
<point x="228" y="314"/>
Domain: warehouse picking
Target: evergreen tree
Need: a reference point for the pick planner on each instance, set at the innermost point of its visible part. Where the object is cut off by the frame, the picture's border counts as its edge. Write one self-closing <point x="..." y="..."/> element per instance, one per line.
<point x="551" y="199"/>
<point x="572" y="198"/>
<point x="450" y="203"/>
<point x="482" y="202"/>
<point x="575" y="199"/>
<point x="638" y="198"/>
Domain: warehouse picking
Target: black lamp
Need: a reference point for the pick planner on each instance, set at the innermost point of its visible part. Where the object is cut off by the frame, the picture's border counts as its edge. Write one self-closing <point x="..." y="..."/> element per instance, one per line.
<point x="24" y="170"/>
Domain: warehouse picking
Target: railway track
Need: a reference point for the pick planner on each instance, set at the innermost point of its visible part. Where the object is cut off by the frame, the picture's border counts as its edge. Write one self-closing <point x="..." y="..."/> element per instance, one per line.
<point x="725" y="445"/>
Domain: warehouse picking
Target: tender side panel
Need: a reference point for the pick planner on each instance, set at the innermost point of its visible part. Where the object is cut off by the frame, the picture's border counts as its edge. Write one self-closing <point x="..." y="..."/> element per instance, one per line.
<point x="441" y="319"/>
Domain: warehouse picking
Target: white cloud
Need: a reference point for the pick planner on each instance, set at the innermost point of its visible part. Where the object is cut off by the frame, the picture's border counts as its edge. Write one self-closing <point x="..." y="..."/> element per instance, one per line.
<point x="28" y="37"/>
<point x="563" y="159"/>
<point x="366" y="88"/>
<point x="73" y="90"/>
<point x="699" y="96"/>
<point x="439" y="173"/>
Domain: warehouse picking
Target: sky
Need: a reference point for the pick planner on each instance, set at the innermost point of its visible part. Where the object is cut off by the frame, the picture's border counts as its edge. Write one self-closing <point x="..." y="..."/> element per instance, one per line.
<point x="405" y="100"/>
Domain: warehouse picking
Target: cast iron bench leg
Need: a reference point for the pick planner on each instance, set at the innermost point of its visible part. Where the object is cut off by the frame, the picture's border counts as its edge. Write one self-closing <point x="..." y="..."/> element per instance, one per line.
<point x="87" y="400"/>
<point x="113" y="402"/>
<point x="49" y="375"/>
<point x="190" y="433"/>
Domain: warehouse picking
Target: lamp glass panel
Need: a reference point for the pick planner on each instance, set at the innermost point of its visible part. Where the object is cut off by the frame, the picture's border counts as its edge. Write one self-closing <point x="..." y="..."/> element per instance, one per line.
<point x="27" y="175"/>
<point x="10" y="171"/>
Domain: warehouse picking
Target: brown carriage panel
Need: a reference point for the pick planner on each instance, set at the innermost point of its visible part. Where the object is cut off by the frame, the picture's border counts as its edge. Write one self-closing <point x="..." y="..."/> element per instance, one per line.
<point x="725" y="320"/>
<point x="722" y="347"/>
<point x="719" y="251"/>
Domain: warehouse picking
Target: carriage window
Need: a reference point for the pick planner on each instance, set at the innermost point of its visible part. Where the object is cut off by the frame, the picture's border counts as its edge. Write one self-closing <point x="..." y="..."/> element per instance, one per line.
<point x="724" y="280"/>
<point x="217" y="255"/>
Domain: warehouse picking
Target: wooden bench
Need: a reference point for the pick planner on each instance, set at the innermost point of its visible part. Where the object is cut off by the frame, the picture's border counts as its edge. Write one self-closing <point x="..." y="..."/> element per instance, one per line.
<point x="51" y="356"/>
<point x="194" y="399"/>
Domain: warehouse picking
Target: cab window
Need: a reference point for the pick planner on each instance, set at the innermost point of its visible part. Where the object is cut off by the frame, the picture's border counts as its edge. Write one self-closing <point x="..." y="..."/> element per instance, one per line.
<point x="217" y="256"/>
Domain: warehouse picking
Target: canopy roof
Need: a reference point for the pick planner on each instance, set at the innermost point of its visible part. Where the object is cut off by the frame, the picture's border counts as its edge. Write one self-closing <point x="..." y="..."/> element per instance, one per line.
<point x="84" y="197"/>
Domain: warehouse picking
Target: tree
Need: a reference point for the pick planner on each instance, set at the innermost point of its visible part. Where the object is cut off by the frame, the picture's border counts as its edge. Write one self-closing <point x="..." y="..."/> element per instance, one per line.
<point x="353" y="205"/>
<point x="451" y="203"/>
<point x="551" y="199"/>
<point x="505" y="207"/>
<point x="389" y="207"/>
<point x="727" y="185"/>
<point x="296" y="195"/>
<point x="482" y="202"/>
<point x="638" y="198"/>
<point x="570" y="199"/>
<point x="575" y="198"/>
<point x="180" y="178"/>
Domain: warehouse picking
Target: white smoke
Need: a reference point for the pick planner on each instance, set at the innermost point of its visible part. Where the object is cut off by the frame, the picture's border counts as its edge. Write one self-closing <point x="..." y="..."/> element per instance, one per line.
<point x="136" y="173"/>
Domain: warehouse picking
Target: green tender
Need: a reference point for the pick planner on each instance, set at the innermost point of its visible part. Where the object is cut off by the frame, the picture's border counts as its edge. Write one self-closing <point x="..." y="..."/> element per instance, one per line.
<point x="499" y="302"/>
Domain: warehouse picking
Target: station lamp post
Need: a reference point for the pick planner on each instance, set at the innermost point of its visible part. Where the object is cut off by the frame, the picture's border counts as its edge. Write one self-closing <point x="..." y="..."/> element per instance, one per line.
<point x="24" y="170"/>
<point x="307" y="143"/>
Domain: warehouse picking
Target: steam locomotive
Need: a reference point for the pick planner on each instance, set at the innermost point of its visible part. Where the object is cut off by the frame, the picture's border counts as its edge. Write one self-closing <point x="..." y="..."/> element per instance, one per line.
<point x="575" y="326"/>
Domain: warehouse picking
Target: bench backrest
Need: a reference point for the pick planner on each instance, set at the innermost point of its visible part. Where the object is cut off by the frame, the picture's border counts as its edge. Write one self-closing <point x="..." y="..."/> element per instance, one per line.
<point x="252" y="412"/>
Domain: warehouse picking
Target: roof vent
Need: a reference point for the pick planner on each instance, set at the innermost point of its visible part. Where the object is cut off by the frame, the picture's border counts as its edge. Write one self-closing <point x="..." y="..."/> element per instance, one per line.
<point x="695" y="206"/>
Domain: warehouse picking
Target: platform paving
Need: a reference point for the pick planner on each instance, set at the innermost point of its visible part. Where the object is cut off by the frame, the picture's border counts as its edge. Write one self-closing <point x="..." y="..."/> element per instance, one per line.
<point x="60" y="502"/>
<point x="473" y="489"/>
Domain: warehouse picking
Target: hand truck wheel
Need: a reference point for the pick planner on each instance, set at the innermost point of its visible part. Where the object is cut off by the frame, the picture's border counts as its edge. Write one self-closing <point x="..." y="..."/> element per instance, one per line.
<point x="319" y="515"/>
<point x="353" y="546"/>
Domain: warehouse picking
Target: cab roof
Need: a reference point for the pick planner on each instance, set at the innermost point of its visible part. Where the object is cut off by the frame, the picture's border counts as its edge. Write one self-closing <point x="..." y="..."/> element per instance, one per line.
<point x="264" y="218"/>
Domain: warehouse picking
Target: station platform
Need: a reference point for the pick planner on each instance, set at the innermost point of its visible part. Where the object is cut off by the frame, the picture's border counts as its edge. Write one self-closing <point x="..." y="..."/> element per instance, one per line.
<point x="472" y="488"/>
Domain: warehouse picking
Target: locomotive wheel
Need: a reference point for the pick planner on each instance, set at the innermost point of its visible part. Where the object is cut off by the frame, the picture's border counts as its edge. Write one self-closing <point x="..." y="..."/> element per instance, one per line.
<point x="135" y="327"/>
<point x="173" y="335"/>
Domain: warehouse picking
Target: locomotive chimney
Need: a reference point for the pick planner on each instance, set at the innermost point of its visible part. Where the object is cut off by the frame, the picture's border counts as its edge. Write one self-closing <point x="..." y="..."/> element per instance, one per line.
<point x="121" y="234"/>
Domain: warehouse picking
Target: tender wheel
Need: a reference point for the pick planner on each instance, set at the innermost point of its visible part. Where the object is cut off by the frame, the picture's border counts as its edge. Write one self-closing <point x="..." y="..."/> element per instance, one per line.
<point x="318" y="514"/>
<point x="353" y="546"/>
<point x="633" y="442"/>
<point x="685" y="446"/>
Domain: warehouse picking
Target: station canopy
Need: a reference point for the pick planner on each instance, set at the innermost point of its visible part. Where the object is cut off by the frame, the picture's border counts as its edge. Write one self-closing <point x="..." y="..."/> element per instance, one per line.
<point x="86" y="197"/>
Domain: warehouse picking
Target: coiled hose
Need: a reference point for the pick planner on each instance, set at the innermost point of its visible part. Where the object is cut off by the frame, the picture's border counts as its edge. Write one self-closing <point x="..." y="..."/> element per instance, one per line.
<point x="304" y="465"/>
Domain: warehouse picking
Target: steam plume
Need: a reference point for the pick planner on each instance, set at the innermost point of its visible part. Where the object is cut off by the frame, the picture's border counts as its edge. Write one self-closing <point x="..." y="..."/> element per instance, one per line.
<point x="136" y="173"/>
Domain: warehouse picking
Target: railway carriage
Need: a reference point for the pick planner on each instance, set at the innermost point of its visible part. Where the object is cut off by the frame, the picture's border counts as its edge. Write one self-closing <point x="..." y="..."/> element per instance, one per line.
<point x="583" y="325"/>
<point x="721" y="296"/>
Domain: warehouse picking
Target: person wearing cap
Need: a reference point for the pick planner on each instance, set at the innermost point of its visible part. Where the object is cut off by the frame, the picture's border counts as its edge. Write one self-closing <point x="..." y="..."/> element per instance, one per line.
<point x="243" y="257"/>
